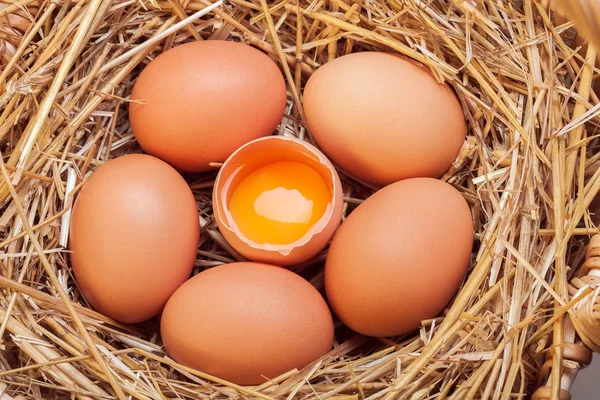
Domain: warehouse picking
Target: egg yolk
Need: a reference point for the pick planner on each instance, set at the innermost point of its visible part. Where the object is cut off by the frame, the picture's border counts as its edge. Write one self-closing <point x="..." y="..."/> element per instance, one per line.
<point x="278" y="203"/>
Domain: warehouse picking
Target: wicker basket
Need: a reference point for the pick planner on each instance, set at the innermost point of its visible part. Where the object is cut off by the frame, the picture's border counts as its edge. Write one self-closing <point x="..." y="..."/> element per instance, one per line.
<point x="529" y="170"/>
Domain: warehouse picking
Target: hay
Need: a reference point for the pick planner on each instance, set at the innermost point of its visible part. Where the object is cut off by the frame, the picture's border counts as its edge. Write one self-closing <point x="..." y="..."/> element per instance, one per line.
<point x="529" y="170"/>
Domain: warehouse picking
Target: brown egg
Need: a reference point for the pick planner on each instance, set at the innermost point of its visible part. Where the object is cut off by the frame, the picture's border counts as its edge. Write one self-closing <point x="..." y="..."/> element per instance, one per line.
<point x="382" y="118"/>
<point x="134" y="236"/>
<point x="19" y="19"/>
<point x="198" y="102"/>
<point x="246" y="323"/>
<point x="14" y="25"/>
<point x="399" y="257"/>
<point x="301" y="197"/>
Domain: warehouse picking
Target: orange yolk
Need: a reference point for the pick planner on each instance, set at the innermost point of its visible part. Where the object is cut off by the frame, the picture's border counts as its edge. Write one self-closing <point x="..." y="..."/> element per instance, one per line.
<point x="279" y="203"/>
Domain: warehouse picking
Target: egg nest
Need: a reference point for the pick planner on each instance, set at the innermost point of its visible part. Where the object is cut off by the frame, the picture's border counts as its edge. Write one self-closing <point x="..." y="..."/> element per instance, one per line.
<point x="528" y="169"/>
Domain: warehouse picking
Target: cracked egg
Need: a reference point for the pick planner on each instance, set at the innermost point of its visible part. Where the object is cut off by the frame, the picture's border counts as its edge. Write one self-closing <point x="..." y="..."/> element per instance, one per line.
<point x="278" y="200"/>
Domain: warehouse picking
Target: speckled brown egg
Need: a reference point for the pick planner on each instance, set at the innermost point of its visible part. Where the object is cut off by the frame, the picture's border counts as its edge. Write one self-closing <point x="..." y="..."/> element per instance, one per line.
<point x="134" y="236"/>
<point x="399" y="257"/>
<point x="246" y="323"/>
<point x="198" y="102"/>
<point x="383" y="118"/>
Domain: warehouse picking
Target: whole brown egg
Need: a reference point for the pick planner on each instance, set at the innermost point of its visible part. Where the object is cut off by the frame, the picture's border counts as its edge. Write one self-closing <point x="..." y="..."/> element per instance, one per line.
<point x="246" y="323"/>
<point x="200" y="101"/>
<point x="133" y="237"/>
<point x="383" y="118"/>
<point x="399" y="257"/>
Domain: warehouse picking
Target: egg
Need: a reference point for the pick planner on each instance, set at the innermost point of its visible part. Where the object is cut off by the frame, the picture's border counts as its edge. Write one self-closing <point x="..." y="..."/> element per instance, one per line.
<point x="383" y="118"/>
<point x="278" y="200"/>
<point x="198" y="102"/>
<point x="19" y="20"/>
<point x="246" y="323"/>
<point x="399" y="257"/>
<point x="133" y="238"/>
<point x="13" y="26"/>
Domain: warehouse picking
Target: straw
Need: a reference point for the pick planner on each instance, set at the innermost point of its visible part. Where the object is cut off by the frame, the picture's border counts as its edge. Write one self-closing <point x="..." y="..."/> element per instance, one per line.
<point x="529" y="171"/>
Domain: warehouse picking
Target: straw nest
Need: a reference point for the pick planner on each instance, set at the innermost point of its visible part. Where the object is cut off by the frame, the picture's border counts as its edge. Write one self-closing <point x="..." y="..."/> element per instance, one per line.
<point x="529" y="171"/>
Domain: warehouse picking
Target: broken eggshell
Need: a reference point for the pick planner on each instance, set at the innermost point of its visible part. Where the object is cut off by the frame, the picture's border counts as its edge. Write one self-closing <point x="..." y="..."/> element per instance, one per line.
<point x="256" y="154"/>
